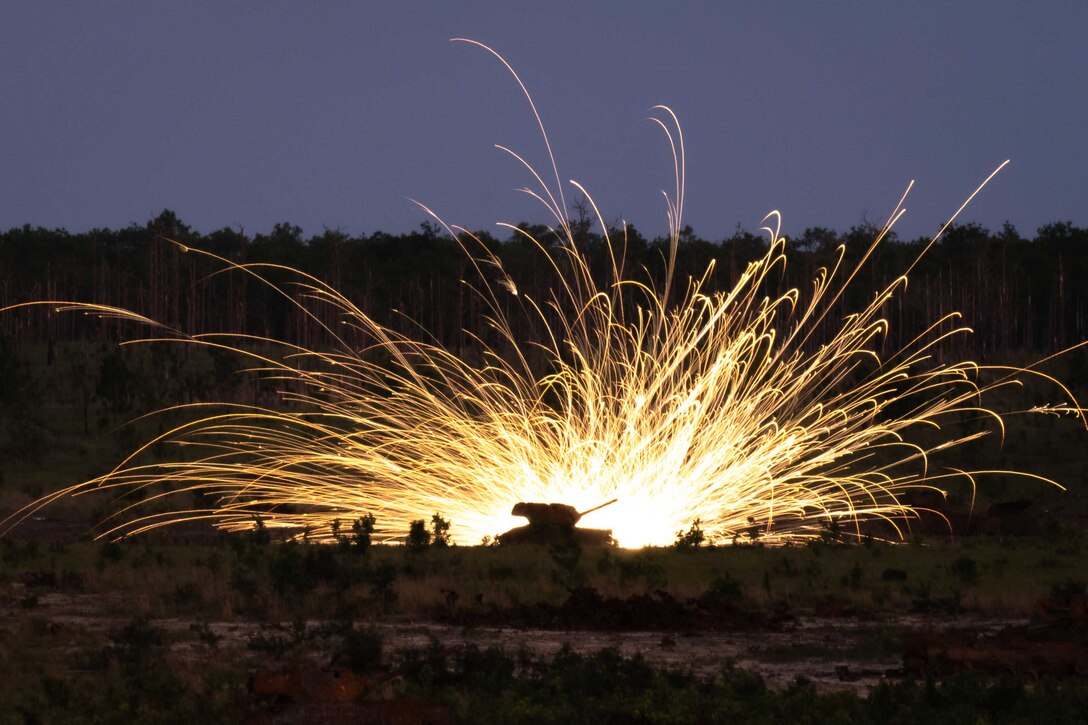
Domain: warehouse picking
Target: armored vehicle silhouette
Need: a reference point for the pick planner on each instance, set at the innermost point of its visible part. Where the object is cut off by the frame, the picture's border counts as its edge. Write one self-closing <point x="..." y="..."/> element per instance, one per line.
<point x="552" y="523"/>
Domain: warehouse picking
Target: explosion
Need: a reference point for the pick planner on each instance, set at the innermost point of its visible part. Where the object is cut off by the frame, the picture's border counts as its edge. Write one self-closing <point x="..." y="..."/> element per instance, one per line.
<point x="772" y="414"/>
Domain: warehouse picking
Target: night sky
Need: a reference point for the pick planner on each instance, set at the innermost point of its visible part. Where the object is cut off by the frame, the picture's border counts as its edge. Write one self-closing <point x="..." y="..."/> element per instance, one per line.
<point x="334" y="114"/>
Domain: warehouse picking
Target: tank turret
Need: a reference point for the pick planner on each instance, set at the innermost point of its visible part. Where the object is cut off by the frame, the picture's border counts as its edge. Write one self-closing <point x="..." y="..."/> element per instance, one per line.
<point x="548" y="514"/>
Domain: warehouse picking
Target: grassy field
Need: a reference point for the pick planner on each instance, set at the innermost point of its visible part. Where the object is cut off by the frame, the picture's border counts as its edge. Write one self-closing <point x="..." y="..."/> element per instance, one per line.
<point x="284" y="581"/>
<point x="239" y="578"/>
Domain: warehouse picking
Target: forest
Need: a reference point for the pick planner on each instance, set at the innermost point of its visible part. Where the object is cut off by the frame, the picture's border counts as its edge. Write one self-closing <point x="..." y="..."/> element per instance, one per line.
<point x="1021" y="297"/>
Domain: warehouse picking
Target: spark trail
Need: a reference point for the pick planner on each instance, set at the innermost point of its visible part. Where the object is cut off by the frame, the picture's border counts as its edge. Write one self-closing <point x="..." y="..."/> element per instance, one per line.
<point x="728" y="406"/>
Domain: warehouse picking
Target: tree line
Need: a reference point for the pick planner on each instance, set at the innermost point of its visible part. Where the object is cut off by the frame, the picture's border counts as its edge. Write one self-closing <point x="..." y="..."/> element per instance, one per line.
<point x="1018" y="294"/>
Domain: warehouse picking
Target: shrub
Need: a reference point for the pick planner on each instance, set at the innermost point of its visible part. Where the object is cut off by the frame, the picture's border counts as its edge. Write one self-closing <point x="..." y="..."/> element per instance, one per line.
<point x="361" y="531"/>
<point x="725" y="589"/>
<point x="690" y="539"/>
<point x="418" y="537"/>
<point x="853" y="577"/>
<point x="259" y="534"/>
<point x="136" y="642"/>
<point x="440" y="531"/>
<point x="382" y="578"/>
<point x="965" y="569"/>
<point x="830" y="531"/>
<point x="361" y="650"/>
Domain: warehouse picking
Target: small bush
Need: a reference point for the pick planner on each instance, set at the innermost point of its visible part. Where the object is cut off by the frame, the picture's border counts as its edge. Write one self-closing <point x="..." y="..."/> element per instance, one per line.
<point x="965" y="569"/>
<point x="110" y="553"/>
<point x="382" y="578"/>
<point x="690" y="539"/>
<point x="418" y="537"/>
<point x="830" y="531"/>
<point x="440" y="531"/>
<point x="361" y="531"/>
<point x="259" y="535"/>
<point x="726" y="588"/>
<point x="853" y="577"/>
<point x="135" y="643"/>
<point x="1067" y="590"/>
<point x="361" y="650"/>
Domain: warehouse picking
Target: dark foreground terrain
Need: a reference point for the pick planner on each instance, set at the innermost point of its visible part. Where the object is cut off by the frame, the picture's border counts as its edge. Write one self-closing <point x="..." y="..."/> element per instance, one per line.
<point x="191" y="626"/>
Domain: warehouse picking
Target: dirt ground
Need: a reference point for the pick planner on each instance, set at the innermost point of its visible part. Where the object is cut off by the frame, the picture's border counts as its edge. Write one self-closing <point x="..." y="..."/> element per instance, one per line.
<point x="834" y="653"/>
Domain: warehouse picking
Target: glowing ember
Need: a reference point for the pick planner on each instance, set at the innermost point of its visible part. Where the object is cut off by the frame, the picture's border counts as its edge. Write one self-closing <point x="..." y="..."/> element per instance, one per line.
<point x="679" y="403"/>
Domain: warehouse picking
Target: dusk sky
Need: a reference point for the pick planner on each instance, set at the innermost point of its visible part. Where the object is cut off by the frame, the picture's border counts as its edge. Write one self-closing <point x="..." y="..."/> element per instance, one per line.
<point x="334" y="114"/>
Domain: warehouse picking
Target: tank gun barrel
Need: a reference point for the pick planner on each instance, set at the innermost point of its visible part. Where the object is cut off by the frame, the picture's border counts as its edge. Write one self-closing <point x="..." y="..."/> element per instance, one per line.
<point x="597" y="508"/>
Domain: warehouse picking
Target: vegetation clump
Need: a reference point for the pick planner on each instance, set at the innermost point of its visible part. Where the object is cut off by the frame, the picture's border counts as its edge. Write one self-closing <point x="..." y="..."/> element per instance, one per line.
<point x="418" y="537"/>
<point x="440" y="532"/>
<point x="693" y="538"/>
